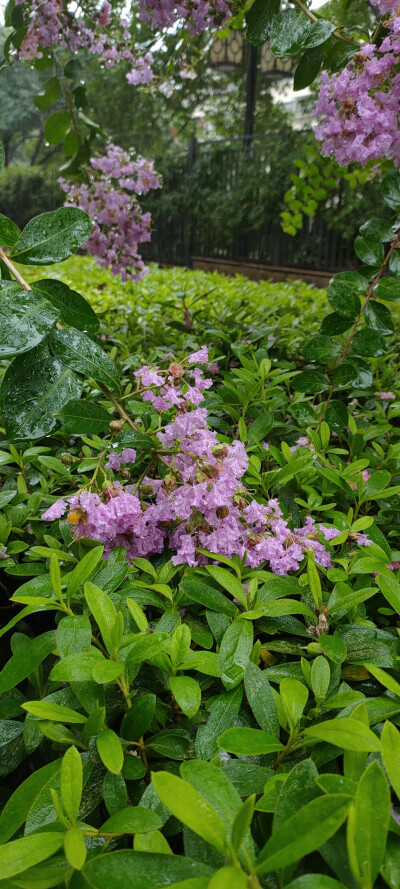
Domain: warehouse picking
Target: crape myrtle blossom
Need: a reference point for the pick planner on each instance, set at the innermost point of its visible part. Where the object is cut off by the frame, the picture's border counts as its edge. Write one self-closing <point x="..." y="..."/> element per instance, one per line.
<point x="53" y="24"/>
<point x="192" y="495"/>
<point x="360" y="105"/>
<point x="198" y="14"/>
<point x="110" y="199"/>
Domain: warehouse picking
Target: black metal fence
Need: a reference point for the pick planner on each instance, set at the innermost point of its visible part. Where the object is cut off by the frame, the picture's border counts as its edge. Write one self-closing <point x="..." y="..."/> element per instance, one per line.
<point x="222" y="200"/>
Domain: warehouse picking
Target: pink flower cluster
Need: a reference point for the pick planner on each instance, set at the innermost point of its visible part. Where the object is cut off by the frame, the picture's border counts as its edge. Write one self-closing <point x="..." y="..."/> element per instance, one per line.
<point x="198" y="14"/>
<point x="193" y="496"/>
<point x="110" y="199"/>
<point x="53" y="24"/>
<point x="360" y="106"/>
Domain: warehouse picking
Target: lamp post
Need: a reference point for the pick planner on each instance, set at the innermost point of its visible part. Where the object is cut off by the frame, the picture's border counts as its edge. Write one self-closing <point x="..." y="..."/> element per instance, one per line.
<point x="229" y="54"/>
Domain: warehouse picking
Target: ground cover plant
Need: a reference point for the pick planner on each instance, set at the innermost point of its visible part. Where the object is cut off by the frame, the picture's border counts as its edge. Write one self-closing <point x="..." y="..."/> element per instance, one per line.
<point x="200" y="682"/>
<point x="233" y="712"/>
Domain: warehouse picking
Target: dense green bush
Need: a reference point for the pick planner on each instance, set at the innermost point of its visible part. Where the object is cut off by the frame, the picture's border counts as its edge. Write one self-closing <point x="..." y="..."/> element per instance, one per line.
<point x="27" y="191"/>
<point x="286" y="719"/>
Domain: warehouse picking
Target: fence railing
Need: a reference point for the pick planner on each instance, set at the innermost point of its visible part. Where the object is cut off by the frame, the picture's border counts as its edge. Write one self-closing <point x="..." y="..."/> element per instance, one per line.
<point x="222" y="199"/>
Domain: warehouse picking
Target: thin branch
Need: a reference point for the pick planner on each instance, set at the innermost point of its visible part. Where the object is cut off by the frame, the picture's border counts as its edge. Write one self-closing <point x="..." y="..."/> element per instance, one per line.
<point x="11" y="268"/>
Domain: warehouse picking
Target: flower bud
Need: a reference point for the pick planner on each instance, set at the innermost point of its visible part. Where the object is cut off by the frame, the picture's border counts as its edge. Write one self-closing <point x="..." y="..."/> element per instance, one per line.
<point x="169" y="482"/>
<point x="66" y="459"/>
<point x="116" y="426"/>
<point x="222" y="512"/>
<point x="220" y="450"/>
<point x="254" y="539"/>
<point x="146" y="489"/>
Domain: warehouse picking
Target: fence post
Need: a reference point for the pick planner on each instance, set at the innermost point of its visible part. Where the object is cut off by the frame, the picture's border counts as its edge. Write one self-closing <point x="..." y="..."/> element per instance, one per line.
<point x="191" y="157"/>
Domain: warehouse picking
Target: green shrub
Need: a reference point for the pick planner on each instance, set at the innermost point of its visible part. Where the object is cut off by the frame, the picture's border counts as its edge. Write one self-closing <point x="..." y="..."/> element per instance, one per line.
<point x="28" y="191"/>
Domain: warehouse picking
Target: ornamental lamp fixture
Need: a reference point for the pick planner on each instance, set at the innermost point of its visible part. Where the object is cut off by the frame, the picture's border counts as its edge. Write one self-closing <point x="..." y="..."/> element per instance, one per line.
<point x="271" y="66"/>
<point x="229" y="53"/>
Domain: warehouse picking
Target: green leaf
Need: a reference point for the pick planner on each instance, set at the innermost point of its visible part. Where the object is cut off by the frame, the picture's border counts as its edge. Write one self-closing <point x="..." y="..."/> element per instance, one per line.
<point x="319" y="32"/>
<point x="304" y="832"/>
<point x="79" y="352"/>
<point x="84" y="418"/>
<point x="230" y="583"/>
<point x="343" y="294"/>
<point x="378" y="317"/>
<point x="187" y="694"/>
<point x="74" y="848"/>
<point x="344" y="598"/>
<point x="368" y="343"/>
<point x="54" y="712"/>
<point x="391" y="190"/>
<point x="390" y="589"/>
<point x="289" y="31"/>
<point x="372" y="808"/>
<point x="134" y="819"/>
<point x="208" y="596"/>
<point x="110" y="750"/>
<point x="214" y="785"/>
<point x="76" y="667"/>
<point x="377" y="482"/>
<point x="315" y="881"/>
<point x="388" y="289"/>
<point x="72" y="307"/>
<point x="260" y="697"/>
<point x="170" y="743"/>
<point x="71" y="783"/>
<point x="310" y="380"/>
<point x="49" y="95"/>
<point x="223" y="712"/>
<point x="107" y="671"/>
<point x="227" y="878"/>
<point x="335" y="324"/>
<point x="128" y="869"/>
<point x="346" y="733"/>
<point x="298" y="790"/>
<point x="259" y="19"/>
<point x="337" y="415"/>
<point x="9" y="231"/>
<point x="25" y="660"/>
<point x="104" y="612"/>
<point x="56" y="126"/>
<point x="334" y="648"/>
<point x="235" y="651"/>
<point x="248" y="742"/>
<point x="22" y="854"/>
<point x="143" y="648"/>
<point x="17" y="807"/>
<point x="25" y="318"/>
<point x="242" y="822"/>
<point x="139" y="718"/>
<point x="52" y="237"/>
<point x="261" y="426"/>
<point x="30" y="403"/>
<point x="321" y="348"/>
<point x="83" y="570"/>
<point x="320" y="678"/>
<point x="390" y="740"/>
<point x="133" y="769"/>
<point x="369" y="250"/>
<point x="294" y="697"/>
<point x="191" y="808"/>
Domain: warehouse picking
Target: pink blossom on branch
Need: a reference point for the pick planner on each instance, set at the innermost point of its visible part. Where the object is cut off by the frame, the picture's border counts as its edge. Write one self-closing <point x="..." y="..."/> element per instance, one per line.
<point x="53" y="25"/>
<point x="360" y="106"/>
<point x="110" y="199"/>
<point x="195" y="499"/>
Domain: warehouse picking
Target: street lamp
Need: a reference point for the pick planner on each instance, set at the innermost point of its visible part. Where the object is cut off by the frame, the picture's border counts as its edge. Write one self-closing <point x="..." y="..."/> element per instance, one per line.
<point x="229" y="54"/>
